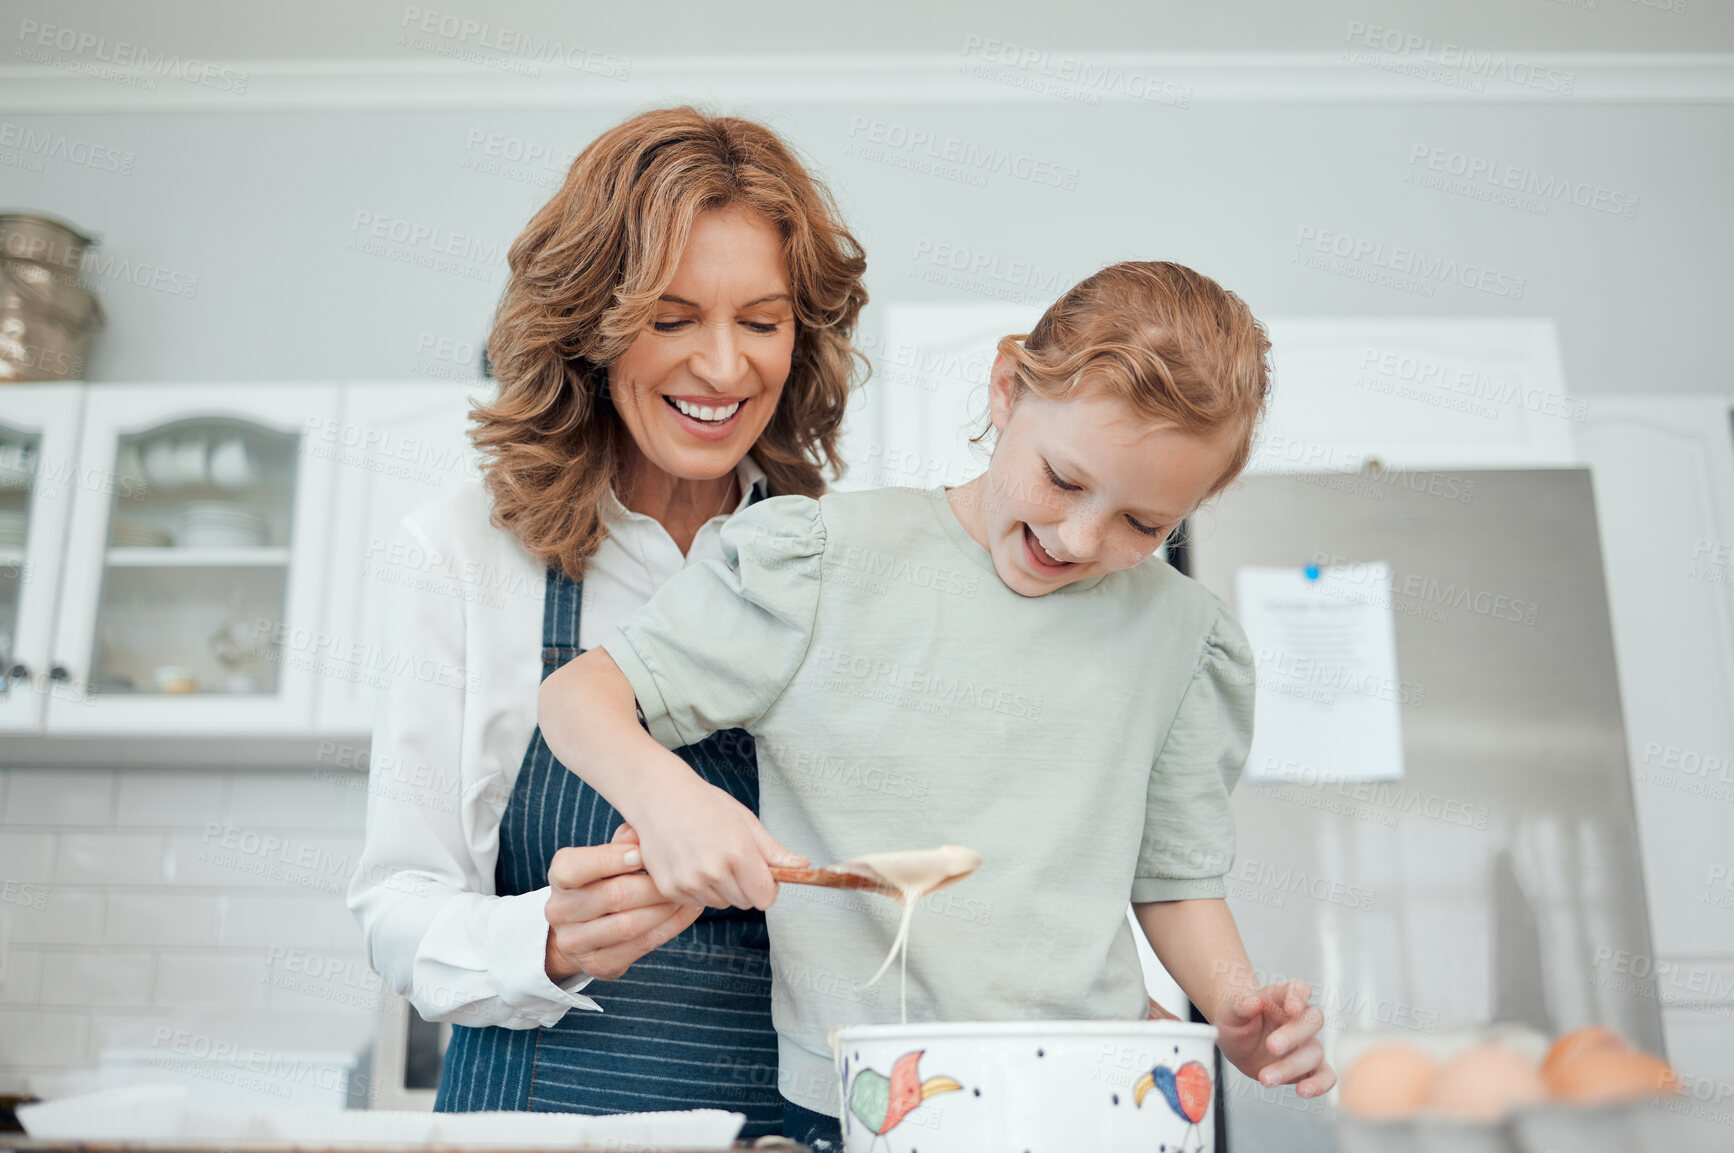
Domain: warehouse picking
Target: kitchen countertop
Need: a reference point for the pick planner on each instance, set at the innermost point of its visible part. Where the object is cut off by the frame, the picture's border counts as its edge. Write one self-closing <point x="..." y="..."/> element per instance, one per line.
<point x="22" y="1143"/>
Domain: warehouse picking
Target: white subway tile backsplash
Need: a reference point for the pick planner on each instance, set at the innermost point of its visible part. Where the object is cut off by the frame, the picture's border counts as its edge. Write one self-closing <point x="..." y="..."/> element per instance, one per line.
<point x="233" y="981"/>
<point x="134" y="1029"/>
<point x="60" y="797"/>
<point x="109" y="859"/>
<point x="309" y="922"/>
<point x="161" y="919"/>
<point x="172" y="800"/>
<point x="296" y="800"/>
<point x="26" y="856"/>
<point x="200" y="859"/>
<point x="98" y="977"/>
<point x="31" y="1039"/>
<point x="311" y="982"/>
<point x="241" y="1029"/>
<point x="128" y="1038"/>
<point x="66" y="917"/>
<point x="350" y="790"/>
<point x="246" y="858"/>
<point x="139" y="900"/>
<point x="21" y="980"/>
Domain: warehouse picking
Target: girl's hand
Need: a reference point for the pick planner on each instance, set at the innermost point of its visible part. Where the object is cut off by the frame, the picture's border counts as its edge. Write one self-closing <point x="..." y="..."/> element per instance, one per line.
<point x="705" y="848"/>
<point x="604" y="912"/>
<point x="1272" y="1037"/>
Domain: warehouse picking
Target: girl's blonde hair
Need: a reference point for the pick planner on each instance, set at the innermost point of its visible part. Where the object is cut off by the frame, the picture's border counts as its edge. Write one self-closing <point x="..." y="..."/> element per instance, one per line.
<point x="585" y="277"/>
<point x="1174" y="344"/>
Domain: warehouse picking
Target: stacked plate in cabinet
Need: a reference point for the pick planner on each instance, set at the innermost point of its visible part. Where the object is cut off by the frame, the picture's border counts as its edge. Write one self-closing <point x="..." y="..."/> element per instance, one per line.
<point x="12" y="527"/>
<point x="128" y="533"/>
<point x="221" y="524"/>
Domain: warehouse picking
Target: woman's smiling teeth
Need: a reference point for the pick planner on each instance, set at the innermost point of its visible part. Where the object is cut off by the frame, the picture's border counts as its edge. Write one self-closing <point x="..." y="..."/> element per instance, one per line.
<point x="704" y="412"/>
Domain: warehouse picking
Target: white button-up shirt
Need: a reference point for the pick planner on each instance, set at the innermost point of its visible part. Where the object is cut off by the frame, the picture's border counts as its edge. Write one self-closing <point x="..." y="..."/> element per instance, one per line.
<point x="463" y="630"/>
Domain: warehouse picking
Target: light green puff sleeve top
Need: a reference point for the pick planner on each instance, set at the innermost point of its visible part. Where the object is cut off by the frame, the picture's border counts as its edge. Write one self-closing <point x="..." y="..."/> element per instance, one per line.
<point x="1189" y="827"/>
<point x="737" y="630"/>
<point x="901" y="696"/>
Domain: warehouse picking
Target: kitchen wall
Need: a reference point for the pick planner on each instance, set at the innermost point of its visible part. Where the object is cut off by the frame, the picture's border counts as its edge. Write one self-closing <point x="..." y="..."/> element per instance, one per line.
<point x="169" y="912"/>
<point x="371" y="244"/>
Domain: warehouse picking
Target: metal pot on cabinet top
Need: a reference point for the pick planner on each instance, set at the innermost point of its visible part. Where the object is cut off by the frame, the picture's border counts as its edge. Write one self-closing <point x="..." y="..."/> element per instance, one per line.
<point x="47" y="315"/>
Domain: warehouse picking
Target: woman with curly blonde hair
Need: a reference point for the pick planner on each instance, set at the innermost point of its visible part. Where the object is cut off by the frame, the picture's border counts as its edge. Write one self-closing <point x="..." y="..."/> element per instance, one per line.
<point x="674" y="344"/>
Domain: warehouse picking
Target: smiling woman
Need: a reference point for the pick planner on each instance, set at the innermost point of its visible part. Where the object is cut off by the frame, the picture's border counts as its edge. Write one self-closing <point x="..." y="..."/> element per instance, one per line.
<point x="674" y="344"/>
<point x="711" y="236"/>
<point x="698" y="390"/>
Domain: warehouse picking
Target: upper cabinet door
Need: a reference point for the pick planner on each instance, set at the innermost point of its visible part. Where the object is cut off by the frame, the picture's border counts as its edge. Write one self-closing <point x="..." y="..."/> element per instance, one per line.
<point x="190" y="602"/>
<point x="397" y="446"/>
<point x="1416" y="395"/>
<point x="39" y="472"/>
<point x="1664" y="482"/>
<point x="1346" y="393"/>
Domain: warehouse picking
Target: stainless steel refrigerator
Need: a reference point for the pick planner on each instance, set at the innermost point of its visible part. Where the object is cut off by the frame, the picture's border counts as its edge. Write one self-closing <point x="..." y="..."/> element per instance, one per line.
<point x="1499" y="878"/>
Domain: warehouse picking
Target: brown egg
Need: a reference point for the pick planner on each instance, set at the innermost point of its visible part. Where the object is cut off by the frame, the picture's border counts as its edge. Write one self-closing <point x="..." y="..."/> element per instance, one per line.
<point x="1570" y="1046"/>
<point x="1607" y="1074"/>
<point x="1484" y="1082"/>
<point x="1388" y="1081"/>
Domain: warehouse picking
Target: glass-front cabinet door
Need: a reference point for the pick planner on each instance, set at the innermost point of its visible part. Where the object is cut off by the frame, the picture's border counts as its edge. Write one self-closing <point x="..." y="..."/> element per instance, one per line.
<point x="39" y="473"/>
<point x="191" y="600"/>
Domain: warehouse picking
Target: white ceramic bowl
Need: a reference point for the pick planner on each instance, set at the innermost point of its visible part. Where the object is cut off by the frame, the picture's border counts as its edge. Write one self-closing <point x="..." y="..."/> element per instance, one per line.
<point x="190" y="456"/>
<point x="232" y="465"/>
<point x="158" y="460"/>
<point x="1041" y="1086"/>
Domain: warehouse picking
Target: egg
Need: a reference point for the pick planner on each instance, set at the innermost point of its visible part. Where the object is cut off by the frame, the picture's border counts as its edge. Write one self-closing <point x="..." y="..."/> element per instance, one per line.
<point x="1570" y="1046"/>
<point x="1484" y="1082"/>
<point x="1388" y="1081"/>
<point x="1608" y="1074"/>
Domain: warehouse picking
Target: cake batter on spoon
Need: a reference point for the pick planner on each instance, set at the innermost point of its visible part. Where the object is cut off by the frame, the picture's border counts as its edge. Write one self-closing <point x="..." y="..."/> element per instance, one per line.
<point x="906" y="875"/>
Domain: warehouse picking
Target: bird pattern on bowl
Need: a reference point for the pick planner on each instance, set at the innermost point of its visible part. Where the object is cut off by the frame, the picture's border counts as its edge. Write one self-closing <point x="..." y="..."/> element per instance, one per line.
<point x="881" y="1103"/>
<point x="1187" y="1091"/>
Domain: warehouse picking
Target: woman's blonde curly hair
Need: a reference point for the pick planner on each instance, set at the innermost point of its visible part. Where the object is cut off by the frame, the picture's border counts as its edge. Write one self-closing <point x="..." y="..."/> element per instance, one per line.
<point x="585" y="277"/>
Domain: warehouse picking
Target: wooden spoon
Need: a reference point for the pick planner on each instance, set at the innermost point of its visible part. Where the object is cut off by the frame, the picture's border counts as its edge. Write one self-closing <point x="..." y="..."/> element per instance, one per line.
<point x="903" y="876"/>
<point x="836" y="878"/>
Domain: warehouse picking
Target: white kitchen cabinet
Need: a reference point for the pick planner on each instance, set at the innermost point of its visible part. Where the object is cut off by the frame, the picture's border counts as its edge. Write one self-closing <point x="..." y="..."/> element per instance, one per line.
<point x="180" y="563"/>
<point x="1663" y="471"/>
<point x="1416" y="395"/>
<point x="397" y="445"/>
<point x="39" y="472"/>
<point x="191" y="598"/>
<point x="1404" y="393"/>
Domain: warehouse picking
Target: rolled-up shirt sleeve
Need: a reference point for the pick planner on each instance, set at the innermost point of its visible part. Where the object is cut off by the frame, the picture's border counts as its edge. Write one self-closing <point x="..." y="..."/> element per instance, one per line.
<point x="423" y="891"/>
<point x="717" y="645"/>
<point x="1188" y="843"/>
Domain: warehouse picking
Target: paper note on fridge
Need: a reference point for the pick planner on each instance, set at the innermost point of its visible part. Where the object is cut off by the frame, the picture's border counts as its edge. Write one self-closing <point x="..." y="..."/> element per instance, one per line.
<point x="1328" y="696"/>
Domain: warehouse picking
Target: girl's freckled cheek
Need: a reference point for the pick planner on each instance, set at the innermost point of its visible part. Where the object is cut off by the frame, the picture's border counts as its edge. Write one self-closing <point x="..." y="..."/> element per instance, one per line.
<point x="1133" y="556"/>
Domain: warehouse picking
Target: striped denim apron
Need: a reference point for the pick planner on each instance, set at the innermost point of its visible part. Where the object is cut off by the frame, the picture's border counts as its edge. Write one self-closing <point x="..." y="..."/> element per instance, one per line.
<point x="689" y="1025"/>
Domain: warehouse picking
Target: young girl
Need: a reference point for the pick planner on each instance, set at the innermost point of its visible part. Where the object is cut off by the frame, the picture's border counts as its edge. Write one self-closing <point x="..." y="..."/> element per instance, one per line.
<point x="1003" y="665"/>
